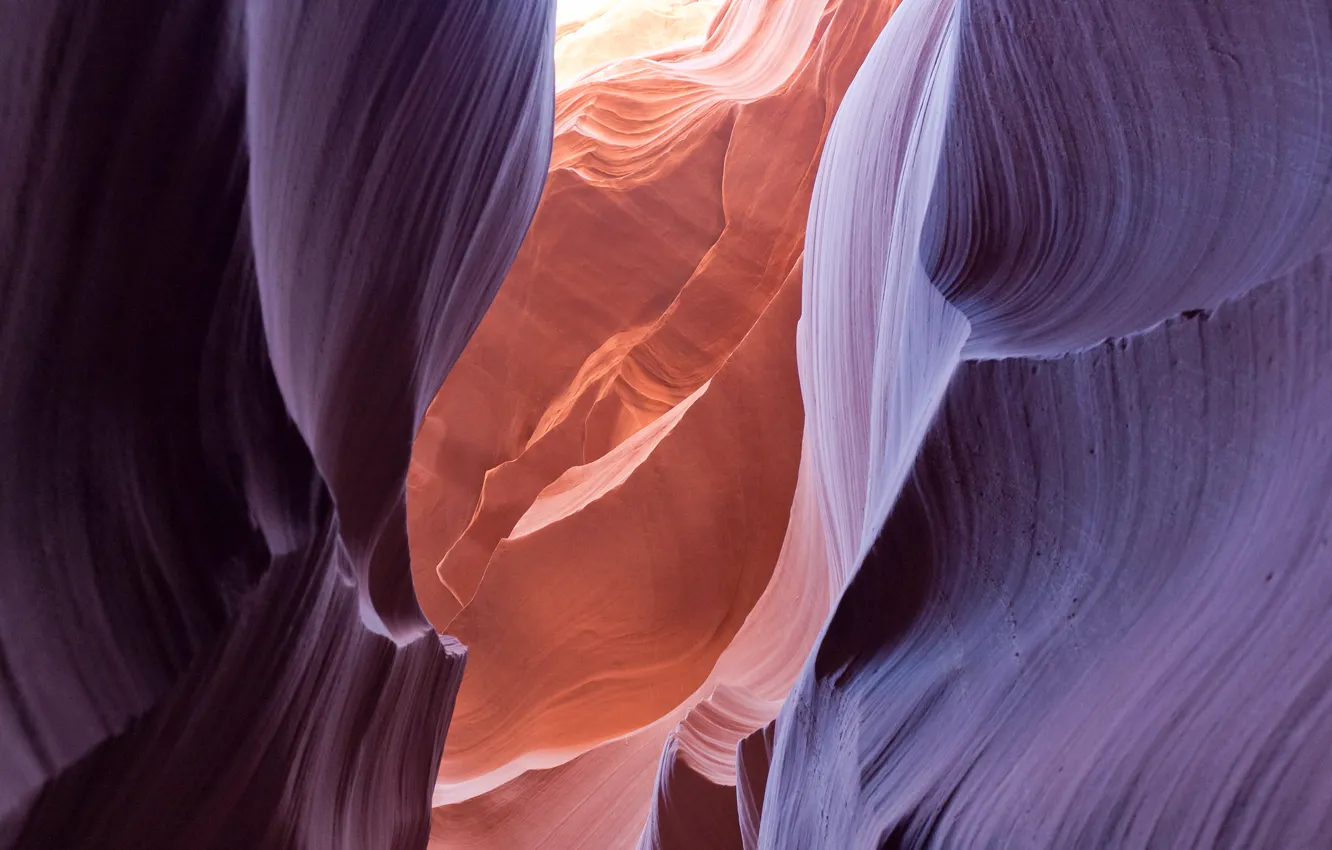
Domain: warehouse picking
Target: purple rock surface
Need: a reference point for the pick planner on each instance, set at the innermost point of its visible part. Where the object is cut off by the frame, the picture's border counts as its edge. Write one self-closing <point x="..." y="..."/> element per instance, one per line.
<point x="1065" y="356"/>
<point x="1088" y="602"/>
<point x="240" y="247"/>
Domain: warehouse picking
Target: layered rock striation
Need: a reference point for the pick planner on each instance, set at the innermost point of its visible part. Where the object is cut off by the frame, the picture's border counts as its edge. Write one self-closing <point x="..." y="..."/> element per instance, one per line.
<point x="902" y="425"/>
<point x="240" y="247"/>
<point x="1088" y="577"/>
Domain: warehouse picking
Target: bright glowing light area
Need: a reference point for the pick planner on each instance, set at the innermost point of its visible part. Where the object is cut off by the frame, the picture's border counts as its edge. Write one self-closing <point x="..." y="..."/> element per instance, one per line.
<point x="590" y="33"/>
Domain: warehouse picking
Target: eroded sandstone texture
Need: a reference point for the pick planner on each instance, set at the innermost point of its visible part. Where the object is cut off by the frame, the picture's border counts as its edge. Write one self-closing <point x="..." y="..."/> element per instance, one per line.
<point x="897" y="424"/>
<point x="601" y="492"/>
<point x="240" y="247"/>
<point x="1090" y="581"/>
<point x="1063" y="575"/>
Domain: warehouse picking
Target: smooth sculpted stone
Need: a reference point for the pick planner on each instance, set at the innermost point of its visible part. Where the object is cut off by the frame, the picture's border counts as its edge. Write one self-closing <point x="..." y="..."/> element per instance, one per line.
<point x="611" y="601"/>
<point x="753" y="757"/>
<point x="690" y="812"/>
<point x="877" y="342"/>
<point x="240" y="247"/>
<point x="1087" y="610"/>
<point x="1109" y="164"/>
<point x="1095" y="617"/>
<point x="600" y="495"/>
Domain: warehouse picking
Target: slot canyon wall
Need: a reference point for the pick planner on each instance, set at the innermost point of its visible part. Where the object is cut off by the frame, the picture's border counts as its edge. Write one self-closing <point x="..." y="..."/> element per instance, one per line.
<point x="600" y="493"/>
<point x="226" y="229"/>
<point x="666" y="424"/>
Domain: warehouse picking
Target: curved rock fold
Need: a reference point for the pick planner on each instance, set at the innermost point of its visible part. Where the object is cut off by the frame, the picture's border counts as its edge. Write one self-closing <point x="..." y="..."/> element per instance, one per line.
<point x="241" y="246"/>
<point x="1085" y="621"/>
<point x="666" y="424"/>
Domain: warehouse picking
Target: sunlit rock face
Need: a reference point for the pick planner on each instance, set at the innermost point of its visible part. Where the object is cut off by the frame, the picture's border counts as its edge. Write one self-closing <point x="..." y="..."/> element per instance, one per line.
<point x="592" y="33"/>
<point x="1076" y="586"/>
<point x="600" y="494"/>
<point x="240" y="247"/>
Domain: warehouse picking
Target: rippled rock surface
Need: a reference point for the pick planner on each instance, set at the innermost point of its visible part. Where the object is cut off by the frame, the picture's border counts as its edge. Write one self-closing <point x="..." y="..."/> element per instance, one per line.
<point x="241" y="246"/>
<point x="848" y="424"/>
<point x="1067" y="271"/>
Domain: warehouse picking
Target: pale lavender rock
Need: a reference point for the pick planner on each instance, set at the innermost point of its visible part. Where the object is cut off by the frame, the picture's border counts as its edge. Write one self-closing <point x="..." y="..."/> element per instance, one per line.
<point x="1097" y="613"/>
<point x="1097" y="616"/>
<point x="876" y="342"/>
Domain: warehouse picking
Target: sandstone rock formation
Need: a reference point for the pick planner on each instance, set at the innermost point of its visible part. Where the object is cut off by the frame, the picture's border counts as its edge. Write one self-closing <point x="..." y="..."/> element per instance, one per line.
<point x="642" y="345"/>
<point x="1088" y="591"/>
<point x="902" y="425"/>
<point x="629" y="419"/>
<point x="240" y="246"/>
